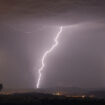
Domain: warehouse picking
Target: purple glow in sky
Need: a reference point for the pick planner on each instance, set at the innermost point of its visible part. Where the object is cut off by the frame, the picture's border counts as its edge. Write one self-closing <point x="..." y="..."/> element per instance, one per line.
<point x="27" y="31"/>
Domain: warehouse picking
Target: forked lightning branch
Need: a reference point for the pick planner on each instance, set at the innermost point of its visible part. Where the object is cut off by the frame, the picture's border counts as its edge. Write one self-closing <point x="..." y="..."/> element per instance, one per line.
<point x="45" y="55"/>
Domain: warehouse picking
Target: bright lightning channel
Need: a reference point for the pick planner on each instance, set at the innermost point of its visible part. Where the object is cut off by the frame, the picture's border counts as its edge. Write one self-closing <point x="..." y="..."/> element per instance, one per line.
<point x="45" y="55"/>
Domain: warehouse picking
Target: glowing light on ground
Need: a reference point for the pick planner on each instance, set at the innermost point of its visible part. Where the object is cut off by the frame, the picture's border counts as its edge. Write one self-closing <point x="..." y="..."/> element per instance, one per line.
<point x="45" y="55"/>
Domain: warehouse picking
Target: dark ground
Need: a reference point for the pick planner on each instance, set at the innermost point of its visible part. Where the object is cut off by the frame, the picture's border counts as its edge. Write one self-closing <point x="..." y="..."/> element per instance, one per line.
<point x="46" y="99"/>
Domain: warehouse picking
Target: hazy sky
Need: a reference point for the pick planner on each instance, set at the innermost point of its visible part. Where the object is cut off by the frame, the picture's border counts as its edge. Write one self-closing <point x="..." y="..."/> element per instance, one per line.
<point x="27" y="30"/>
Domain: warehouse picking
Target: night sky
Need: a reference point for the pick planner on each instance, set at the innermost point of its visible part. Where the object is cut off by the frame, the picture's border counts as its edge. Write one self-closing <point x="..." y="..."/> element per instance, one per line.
<point x="27" y="30"/>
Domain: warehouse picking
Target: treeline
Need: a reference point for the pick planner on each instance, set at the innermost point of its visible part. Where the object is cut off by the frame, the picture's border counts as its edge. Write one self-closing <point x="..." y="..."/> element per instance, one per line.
<point x="46" y="99"/>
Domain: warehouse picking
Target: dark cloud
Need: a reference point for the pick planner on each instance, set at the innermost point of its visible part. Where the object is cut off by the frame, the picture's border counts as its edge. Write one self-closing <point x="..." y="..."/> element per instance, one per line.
<point x="54" y="11"/>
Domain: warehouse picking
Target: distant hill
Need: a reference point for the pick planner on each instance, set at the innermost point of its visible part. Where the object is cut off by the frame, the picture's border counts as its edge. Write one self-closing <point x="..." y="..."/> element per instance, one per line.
<point x="100" y="93"/>
<point x="66" y="90"/>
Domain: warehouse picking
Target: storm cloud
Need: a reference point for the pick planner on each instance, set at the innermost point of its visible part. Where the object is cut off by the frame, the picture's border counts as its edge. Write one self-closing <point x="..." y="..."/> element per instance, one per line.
<point x="27" y="29"/>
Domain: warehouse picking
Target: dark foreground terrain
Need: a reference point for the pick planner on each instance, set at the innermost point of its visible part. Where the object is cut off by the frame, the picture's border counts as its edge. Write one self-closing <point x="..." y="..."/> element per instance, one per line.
<point x="46" y="99"/>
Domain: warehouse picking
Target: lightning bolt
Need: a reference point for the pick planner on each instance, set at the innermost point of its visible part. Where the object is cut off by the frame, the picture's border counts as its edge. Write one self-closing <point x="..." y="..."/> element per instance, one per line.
<point x="45" y="55"/>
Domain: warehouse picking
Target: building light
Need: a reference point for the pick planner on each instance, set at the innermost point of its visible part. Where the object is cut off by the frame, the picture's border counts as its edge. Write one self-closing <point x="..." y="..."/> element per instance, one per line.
<point x="83" y="96"/>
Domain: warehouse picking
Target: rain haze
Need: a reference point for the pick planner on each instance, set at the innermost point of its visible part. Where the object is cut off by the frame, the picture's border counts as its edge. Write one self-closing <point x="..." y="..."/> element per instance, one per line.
<point x="28" y="29"/>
